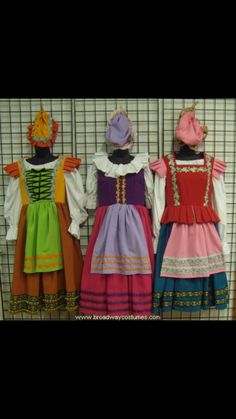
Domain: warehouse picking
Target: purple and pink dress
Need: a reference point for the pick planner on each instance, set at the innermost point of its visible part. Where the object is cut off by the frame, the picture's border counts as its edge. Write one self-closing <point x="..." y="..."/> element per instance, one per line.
<point x="118" y="270"/>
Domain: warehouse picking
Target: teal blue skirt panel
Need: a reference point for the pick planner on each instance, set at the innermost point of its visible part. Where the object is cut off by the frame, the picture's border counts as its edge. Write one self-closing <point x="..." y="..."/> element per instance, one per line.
<point x="189" y="294"/>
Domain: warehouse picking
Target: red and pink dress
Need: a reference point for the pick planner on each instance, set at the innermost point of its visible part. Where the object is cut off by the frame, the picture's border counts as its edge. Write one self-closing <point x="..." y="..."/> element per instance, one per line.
<point x="119" y="263"/>
<point x="189" y="225"/>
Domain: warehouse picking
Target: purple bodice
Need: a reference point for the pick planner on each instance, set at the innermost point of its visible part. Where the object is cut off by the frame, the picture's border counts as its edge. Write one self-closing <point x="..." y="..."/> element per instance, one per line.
<point x="127" y="189"/>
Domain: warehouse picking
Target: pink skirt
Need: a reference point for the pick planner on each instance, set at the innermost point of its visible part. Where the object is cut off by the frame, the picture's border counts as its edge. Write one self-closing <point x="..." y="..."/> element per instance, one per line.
<point x="117" y="294"/>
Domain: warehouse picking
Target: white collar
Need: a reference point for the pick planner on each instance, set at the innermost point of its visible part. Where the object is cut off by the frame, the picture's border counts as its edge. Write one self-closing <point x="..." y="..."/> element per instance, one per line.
<point x="114" y="170"/>
<point x="48" y="165"/>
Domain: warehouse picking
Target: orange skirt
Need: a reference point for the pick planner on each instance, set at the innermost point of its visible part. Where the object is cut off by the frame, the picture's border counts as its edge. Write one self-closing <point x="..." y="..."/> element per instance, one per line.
<point x="47" y="290"/>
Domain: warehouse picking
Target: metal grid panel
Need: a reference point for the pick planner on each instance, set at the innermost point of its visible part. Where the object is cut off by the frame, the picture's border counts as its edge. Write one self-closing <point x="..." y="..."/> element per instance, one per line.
<point x="82" y="125"/>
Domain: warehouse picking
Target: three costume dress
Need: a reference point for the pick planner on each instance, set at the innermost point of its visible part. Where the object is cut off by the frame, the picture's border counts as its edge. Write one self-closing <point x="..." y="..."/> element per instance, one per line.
<point x="45" y="204"/>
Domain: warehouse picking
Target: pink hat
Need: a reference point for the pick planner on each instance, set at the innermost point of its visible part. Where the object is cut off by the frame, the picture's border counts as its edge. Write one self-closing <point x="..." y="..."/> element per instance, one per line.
<point x="189" y="131"/>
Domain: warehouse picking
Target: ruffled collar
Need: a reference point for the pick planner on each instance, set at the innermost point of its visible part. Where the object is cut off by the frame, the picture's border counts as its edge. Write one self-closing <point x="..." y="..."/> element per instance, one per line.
<point x="110" y="169"/>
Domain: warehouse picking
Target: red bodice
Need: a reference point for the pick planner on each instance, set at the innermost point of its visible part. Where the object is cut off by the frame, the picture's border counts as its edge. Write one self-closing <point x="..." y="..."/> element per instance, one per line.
<point x="188" y="192"/>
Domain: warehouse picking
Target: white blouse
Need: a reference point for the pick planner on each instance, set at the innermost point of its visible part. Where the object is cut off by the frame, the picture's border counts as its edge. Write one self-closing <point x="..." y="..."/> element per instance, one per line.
<point x="76" y="199"/>
<point x="102" y="162"/>
<point x="218" y="204"/>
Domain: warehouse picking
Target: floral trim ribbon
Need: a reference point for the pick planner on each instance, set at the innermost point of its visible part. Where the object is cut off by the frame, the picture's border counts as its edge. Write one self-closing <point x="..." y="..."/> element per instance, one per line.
<point x="174" y="169"/>
<point x="192" y="266"/>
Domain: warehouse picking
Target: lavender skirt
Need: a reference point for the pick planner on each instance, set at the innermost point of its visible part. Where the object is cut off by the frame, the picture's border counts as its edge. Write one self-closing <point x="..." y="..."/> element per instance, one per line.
<point x="121" y="245"/>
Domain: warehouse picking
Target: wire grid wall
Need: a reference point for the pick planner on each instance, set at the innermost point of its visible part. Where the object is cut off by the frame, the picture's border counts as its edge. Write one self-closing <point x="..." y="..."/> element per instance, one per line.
<point x="82" y="123"/>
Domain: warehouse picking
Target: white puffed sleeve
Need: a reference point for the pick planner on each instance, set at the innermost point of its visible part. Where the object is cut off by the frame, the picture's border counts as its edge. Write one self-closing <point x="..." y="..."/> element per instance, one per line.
<point x="158" y="207"/>
<point x="148" y="178"/>
<point x="76" y="199"/>
<point x="12" y="207"/>
<point x="91" y="187"/>
<point x="219" y="205"/>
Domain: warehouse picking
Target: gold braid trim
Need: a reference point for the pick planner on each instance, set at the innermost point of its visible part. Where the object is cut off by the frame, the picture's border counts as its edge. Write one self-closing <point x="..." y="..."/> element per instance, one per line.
<point x="176" y="195"/>
<point x="118" y="190"/>
<point x="208" y="163"/>
<point x="123" y="189"/>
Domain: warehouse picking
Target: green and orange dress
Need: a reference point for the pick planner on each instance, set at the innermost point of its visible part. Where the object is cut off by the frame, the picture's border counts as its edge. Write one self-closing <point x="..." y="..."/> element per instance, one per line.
<point x="44" y="207"/>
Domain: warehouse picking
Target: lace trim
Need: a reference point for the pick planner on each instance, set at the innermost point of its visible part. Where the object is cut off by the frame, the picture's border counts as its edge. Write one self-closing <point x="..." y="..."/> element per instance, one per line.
<point x="195" y="261"/>
<point x="189" y="271"/>
<point x="110" y="169"/>
<point x="192" y="266"/>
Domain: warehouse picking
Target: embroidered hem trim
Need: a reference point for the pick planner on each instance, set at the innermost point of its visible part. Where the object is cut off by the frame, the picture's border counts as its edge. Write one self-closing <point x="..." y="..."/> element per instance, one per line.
<point x="46" y="302"/>
<point x="193" y="266"/>
<point x="201" y="299"/>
